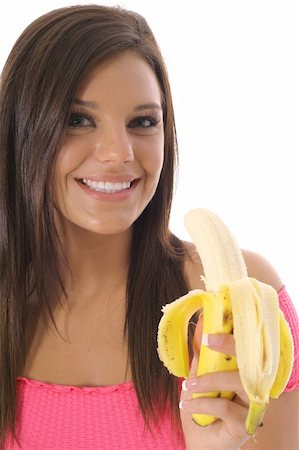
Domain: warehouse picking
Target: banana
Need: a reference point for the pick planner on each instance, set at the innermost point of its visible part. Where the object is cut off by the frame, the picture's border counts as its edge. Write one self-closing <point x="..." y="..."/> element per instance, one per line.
<point x="232" y="303"/>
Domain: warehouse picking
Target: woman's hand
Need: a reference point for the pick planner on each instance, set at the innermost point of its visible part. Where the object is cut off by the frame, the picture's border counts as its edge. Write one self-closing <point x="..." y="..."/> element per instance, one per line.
<point x="228" y="431"/>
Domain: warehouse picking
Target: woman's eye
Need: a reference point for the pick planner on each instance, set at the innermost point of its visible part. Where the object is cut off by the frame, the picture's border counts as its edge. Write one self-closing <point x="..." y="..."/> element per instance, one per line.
<point x="77" y="120"/>
<point x="143" y="122"/>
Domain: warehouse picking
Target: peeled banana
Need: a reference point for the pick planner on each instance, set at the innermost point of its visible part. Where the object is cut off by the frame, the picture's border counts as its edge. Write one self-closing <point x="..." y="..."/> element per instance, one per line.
<point x="232" y="303"/>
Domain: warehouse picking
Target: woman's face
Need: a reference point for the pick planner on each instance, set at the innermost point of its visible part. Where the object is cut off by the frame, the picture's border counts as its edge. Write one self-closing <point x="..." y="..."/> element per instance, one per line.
<point x="110" y="163"/>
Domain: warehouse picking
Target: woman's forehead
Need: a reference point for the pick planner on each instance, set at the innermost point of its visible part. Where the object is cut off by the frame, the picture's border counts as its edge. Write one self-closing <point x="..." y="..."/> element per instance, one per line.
<point x="126" y="73"/>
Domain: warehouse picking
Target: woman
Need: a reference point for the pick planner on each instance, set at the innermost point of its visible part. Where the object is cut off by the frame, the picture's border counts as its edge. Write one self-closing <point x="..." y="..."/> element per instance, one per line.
<point x="88" y="152"/>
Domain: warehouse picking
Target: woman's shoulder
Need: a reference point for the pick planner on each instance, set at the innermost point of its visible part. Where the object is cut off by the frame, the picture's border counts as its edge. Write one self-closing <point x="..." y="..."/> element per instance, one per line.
<point x="260" y="268"/>
<point x="257" y="266"/>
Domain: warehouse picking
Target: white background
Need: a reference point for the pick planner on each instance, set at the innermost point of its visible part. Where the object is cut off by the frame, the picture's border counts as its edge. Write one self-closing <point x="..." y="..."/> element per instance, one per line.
<point x="234" y="71"/>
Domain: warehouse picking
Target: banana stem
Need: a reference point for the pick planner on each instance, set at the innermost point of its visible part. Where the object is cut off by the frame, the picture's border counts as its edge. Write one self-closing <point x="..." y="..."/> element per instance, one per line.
<point x="255" y="416"/>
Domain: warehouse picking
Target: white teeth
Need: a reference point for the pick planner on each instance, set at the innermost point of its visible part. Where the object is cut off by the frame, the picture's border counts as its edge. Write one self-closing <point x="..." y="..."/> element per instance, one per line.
<point x="108" y="186"/>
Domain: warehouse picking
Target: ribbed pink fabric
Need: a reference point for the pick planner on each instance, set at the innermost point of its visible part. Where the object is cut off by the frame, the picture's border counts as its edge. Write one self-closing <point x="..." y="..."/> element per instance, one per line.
<point x="52" y="416"/>
<point x="291" y="316"/>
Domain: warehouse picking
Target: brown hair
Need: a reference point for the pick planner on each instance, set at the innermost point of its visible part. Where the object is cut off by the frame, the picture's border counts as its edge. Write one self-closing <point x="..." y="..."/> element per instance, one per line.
<point x="39" y="82"/>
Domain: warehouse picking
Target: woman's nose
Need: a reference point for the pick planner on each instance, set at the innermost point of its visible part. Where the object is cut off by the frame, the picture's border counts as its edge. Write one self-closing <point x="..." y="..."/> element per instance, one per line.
<point x="114" y="145"/>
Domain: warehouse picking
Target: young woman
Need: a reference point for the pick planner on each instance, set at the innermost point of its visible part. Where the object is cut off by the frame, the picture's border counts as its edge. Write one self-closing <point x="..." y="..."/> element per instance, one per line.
<point x="88" y="153"/>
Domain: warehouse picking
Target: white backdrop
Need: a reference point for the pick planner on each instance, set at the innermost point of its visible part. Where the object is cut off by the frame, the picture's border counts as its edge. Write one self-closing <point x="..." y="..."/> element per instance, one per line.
<point x="234" y="70"/>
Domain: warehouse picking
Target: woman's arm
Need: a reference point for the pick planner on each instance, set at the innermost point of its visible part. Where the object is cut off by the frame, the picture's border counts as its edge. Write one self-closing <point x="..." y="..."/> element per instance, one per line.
<point x="281" y="425"/>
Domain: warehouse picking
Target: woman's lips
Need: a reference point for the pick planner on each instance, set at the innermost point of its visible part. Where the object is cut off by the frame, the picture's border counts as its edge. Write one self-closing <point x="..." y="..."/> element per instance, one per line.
<point x="108" y="190"/>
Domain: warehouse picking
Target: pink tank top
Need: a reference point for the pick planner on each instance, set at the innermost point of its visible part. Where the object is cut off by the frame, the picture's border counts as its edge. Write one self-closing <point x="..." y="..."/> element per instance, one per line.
<point x="53" y="416"/>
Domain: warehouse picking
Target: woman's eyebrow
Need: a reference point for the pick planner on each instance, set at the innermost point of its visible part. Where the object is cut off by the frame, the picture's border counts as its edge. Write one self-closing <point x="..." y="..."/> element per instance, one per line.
<point x="87" y="103"/>
<point x="94" y="105"/>
<point x="148" y="106"/>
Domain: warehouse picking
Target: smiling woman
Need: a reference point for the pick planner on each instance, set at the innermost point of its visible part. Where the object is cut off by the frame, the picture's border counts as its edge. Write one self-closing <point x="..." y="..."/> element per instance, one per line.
<point x="111" y="158"/>
<point x="87" y="158"/>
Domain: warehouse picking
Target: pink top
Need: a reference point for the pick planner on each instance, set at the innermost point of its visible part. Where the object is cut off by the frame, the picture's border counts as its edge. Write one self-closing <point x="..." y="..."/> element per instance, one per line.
<point x="53" y="416"/>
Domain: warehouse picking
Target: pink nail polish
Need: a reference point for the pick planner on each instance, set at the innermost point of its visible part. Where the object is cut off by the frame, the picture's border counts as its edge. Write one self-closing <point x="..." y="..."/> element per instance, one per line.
<point x="212" y="340"/>
<point x="190" y="384"/>
<point x="205" y="339"/>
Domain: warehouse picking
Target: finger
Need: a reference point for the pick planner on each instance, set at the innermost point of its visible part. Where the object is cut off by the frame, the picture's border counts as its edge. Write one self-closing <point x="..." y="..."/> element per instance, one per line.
<point x="196" y="346"/>
<point x="194" y="365"/>
<point x="192" y="373"/>
<point x="233" y="414"/>
<point x="217" y="381"/>
<point x="197" y="338"/>
<point x="224" y="343"/>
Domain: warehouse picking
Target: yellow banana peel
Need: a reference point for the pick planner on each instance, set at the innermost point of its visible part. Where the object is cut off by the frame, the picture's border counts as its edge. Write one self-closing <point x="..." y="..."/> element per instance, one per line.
<point x="232" y="303"/>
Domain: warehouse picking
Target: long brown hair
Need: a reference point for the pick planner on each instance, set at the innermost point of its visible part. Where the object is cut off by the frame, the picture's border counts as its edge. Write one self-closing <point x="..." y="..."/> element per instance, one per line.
<point x="39" y="82"/>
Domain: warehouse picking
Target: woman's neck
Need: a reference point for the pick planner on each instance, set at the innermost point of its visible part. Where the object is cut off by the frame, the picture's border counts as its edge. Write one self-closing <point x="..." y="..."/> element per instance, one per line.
<point x="98" y="264"/>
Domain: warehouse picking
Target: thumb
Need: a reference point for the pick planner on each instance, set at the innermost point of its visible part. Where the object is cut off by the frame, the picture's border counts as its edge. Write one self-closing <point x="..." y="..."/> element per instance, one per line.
<point x="194" y="362"/>
<point x="194" y="365"/>
<point x="196" y="346"/>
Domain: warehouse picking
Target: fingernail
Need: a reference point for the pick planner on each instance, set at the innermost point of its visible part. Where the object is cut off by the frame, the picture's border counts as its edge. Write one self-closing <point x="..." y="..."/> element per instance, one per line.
<point x="181" y="404"/>
<point x="189" y="384"/>
<point x="211" y="340"/>
<point x="205" y="339"/>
